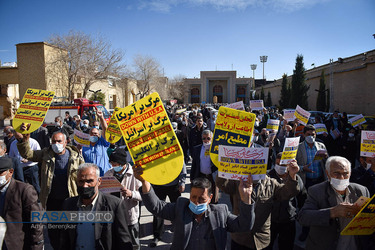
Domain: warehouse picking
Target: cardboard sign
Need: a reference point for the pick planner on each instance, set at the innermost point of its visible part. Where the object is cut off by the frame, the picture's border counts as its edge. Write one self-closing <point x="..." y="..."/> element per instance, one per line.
<point x="290" y="150"/>
<point x="357" y="120"/>
<point x="150" y="138"/>
<point x="289" y="114"/>
<point x="32" y="110"/>
<point x="368" y="143"/>
<point x="302" y="115"/>
<point x="320" y="155"/>
<point x="232" y="128"/>
<point x="110" y="184"/>
<point x="335" y="133"/>
<point x="236" y="105"/>
<point x="320" y="128"/>
<point x="364" y="222"/>
<point x="256" y="104"/>
<point x="113" y="132"/>
<point x="82" y="139"/>
<point x="238" y="162"/>
<point x="273" y="124"/>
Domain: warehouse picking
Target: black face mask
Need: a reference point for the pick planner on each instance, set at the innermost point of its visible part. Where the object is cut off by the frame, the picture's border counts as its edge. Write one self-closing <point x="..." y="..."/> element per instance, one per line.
<point x="86" y="192"/>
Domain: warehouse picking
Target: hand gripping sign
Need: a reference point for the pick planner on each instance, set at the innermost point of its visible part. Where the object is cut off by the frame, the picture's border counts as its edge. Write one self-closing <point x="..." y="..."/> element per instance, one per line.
<point x="32" y="110"/>
<point x="113" y="132"/>
<point x="232" y="128"/>
<point x="150" y="138"/>
<point x="290" y="150"/>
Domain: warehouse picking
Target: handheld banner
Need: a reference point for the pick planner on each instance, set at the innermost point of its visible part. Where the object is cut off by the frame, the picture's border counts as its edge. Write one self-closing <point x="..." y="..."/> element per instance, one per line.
<point x="302" y="115"/>
<point x="290" y="150"/>
<point x="110" y="184"/>
<point x="357" y="120"/>
<point x="150" y="138"/>
<point x="289" y="114"/>
<point x="82" y="139"/>
<point x="364" y="222"/>
<point x="32" y="110"/>
<point x="113" y="132"/>
<point x="232" y="128"/>
<point x="368" y="143"/>
<point x="256" y="104"/>
<point x="273" y="124"/>
<point x="236" y="105"/>
<point x="238" y="162"/>
<point x="320" y="128"/>
<point x="335" y="133"/>
<point x="320" y="155"/>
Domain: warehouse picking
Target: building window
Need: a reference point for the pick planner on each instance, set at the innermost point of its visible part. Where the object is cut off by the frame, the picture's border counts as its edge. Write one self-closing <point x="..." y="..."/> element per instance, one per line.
<point x="195" y="96"/>
<point x="79" y="95"/>
<point x="241" y="93"/>
<point x="218" y="92"/>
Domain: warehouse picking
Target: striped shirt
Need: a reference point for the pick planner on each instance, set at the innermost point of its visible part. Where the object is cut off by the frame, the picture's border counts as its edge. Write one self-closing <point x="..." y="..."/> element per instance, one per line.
<point x="315" y="164"/>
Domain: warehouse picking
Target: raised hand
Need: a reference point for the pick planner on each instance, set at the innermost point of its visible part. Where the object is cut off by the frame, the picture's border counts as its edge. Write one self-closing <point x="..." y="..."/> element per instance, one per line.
<point x="245" y="189"/>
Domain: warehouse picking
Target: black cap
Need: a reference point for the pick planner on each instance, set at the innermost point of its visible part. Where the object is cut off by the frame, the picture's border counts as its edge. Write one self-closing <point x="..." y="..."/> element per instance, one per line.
<point x="119" y="156"/>
<point x="5" y="164"/>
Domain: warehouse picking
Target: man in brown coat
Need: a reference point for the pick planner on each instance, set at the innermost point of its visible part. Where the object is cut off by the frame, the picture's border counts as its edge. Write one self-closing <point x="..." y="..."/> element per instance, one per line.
<point x="17" y="200"/>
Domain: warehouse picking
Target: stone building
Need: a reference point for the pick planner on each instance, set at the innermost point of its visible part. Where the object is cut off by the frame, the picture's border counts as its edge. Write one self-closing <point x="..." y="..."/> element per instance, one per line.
<point x="39" y="66"/>
<point x="351" y="82"/>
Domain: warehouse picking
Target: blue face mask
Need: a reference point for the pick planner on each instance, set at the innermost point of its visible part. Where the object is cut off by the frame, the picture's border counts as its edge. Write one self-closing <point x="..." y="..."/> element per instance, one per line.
<point x="118" y="168"/>
<point x="94" y="139"/>
<point x="96" y="127"/>
<point x="198" y="209"/>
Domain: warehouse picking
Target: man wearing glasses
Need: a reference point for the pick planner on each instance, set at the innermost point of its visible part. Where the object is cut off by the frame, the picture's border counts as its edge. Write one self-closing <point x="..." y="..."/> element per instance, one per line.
<point x="202" y="165"/>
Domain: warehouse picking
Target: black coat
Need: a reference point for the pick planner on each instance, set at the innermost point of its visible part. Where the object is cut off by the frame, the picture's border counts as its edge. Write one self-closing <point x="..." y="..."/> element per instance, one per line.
<point x="107" y="235"/>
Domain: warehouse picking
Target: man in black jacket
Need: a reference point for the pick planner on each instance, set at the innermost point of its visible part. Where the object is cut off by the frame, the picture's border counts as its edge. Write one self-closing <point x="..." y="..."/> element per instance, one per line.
<point x="97" y="235"/>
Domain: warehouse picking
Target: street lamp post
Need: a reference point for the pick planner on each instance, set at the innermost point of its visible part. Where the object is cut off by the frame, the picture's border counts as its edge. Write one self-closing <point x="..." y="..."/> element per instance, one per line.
<point x="263" y="59"/>
<point x="253" y="68"/>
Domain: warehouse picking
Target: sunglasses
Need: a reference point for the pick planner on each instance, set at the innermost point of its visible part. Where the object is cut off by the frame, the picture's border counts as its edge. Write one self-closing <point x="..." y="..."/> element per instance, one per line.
<point x="206" y="138"/>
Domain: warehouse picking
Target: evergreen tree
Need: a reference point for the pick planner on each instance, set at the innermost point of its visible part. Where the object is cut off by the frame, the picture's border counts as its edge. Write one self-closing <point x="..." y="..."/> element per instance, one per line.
<point x="321" y="100"/>
<point x="299" y="87"/>
<point x="256" y="97"/>
<point x="269" y="100"/>
<point x="285" y="93"/>
<point x="98" y="97"/>
<point x="262" y="95"/>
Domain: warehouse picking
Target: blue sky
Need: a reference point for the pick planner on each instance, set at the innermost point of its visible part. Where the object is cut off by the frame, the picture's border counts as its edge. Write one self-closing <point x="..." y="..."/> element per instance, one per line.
<point x="188" y="36"/>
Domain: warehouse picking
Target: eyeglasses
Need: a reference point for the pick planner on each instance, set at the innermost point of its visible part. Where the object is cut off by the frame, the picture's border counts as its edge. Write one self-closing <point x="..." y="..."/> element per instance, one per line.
<point x="206" y="138"/>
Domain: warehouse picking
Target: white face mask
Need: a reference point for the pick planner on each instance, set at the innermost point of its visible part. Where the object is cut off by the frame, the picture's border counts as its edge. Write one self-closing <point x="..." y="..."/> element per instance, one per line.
<point x="3" y="180"/>
<point x="310" y="139"/>
<point x="57" y="148"/>
<point x="338" y="184"/>
<point x="281" y="170"/>
<point x="206" y="144"/>
<point x="368" y="166"/>
<point x="351" y="135"/>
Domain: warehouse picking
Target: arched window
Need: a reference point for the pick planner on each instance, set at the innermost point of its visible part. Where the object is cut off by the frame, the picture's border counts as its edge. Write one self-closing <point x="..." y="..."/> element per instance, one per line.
<point x="195" y="96"/>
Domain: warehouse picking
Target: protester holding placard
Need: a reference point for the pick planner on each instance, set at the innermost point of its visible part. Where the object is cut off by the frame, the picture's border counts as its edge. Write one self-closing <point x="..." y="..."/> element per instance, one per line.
<point x="284" y="213"/>
<point x="58" y="173"/>
<point x="130" y="195"/>
<point x="198" y="224"/>
<point x="330" y="207"/>
<point x="265" y="192"/>
<point x="97" y="152"/>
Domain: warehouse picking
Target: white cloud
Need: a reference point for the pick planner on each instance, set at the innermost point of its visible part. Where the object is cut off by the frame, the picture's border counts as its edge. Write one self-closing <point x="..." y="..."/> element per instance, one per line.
<point x="228" y="5"/>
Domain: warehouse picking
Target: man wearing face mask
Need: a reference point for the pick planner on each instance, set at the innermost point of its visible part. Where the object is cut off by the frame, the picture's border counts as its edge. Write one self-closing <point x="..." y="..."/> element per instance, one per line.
<point x="197" y="223"/>
<point x="95" y="235"/>
<point x="123" y="172"/>
<point x="284" y="213"/>
<point x="58" y="173"/>
<point x="97" y="152"/>
<point x="202" y="166"/>
<point x="364" y="174"/>
<point x="330" y="207"/>
<point x="62" y="127"/>
<point x="312" y="172"/>
<point x="17" y="201"/>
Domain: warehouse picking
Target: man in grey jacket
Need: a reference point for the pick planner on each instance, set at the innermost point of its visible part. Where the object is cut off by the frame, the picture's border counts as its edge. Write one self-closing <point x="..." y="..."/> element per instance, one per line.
<point x="330" y="206"/>
<point x="197" y="223"/>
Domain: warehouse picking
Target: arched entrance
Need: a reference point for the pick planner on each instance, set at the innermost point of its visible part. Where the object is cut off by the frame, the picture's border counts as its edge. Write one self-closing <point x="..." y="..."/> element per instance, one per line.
<point x="241" y="94"/>
<point x="195" y="95"/>
<point x="218" y="91"/>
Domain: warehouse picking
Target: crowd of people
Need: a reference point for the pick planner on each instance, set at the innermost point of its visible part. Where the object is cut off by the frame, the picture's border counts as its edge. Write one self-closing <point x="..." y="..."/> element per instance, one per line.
<point x="46" y="170"/>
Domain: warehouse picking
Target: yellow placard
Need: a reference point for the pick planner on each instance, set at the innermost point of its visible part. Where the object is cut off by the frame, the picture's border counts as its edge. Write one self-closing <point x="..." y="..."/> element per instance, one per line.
<point x="81" y="138"/>
<point x="273" y="124"/>
<point x="302" y="115"/>
<point x="150" y="138"/>
<point x="113" y="132"/>
<point x="364" y="222"/>
<point x="32" y="110"/>
<point x="233" y="128"/>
